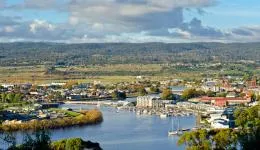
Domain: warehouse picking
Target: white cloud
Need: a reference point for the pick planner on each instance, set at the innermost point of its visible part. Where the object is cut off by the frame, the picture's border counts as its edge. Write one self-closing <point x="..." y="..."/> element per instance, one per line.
<point x="180" y="32"/>
<point x="41" y="24"/>
<point x="120" y="21"/>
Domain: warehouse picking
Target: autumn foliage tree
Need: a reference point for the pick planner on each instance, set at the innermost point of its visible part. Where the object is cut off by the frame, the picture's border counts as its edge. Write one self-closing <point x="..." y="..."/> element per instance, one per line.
<point x="167" y="94"/>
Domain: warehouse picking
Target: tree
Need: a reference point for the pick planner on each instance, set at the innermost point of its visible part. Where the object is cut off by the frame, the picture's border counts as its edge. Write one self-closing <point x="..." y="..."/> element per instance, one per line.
<point x="191" y="93"/>
<point x="70" y="84"/>
<point x="225" y="139"/>
<point x="142" y="92"/>
<point x="167" y="94"/>
<point x="154" y="89"/>
<point x="40" y="141"/>
<point x="211" y="93"/>
<point x="195" y="140"/>
<point x="258" y="98"/>
<point x="222" y="94"/>
<point x="248" y="119"/>
<point x="17" y="97"/>
<point x="118" y="95"/>
<point x="74" y="144"/>
<point x="206" y="140"/>
<point x="3" y="97"/>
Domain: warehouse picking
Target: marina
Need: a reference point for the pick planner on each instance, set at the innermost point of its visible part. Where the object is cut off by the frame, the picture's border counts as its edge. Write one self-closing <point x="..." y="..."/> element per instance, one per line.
<point x="143" y="131"/>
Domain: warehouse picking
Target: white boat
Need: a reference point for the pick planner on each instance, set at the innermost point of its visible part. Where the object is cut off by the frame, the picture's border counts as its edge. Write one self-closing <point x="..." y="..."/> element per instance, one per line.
<point x="145" y="111"/>
<point x="173" y="132"/>
<point x="138" y="112"/>
<point x="163" y="115"/>
<point x="98" y="104"/>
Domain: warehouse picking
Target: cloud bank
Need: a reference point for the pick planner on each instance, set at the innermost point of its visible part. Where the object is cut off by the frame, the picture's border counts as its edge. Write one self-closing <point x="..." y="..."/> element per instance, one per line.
<point x="116" y="21"/>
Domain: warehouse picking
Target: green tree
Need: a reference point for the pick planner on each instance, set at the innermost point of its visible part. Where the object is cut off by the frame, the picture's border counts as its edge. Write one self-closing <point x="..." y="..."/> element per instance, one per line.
<point x="196" y="140"/>
<point x="154" y="89"/>
<point x="211" y="93"/>
<point x="3" y="97"/>
<point x="17" y="97"/>
<point x="225" y="140"/>
<point x="222" y="94"/>
<point x="118" y="95"/>
<point x="74" y="144"/>
<point x="191" y="93"/>
<point x="167" y="94"/>
<point x="142" y="92"/>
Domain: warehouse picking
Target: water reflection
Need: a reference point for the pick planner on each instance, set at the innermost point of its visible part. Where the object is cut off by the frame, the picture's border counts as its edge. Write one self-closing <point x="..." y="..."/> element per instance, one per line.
<point x="125" y="130"/>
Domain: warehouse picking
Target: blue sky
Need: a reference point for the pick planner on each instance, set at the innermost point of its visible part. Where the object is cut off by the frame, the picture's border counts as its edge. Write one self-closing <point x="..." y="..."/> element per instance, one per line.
<point x="79" y="21"/>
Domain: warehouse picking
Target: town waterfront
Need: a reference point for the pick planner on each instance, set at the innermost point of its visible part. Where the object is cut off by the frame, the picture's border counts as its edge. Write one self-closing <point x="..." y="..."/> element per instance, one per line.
<point x="126" y="130"/>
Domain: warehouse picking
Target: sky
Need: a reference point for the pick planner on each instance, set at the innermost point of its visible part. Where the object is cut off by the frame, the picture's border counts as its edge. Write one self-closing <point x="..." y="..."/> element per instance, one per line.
<point x="136" y="21"/>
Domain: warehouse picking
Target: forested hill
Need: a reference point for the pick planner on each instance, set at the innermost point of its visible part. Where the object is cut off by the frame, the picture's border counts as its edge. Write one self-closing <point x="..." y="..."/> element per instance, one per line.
<point x="120" y="53"/>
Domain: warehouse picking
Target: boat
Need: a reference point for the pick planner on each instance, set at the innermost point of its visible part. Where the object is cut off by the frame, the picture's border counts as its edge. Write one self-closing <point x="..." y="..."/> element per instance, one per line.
<point x="185" y="129"/>
<point x="98" y="104"/>
<point x="163" y="115"/>
<point x="138" y="112"/>
<point x="175" y="132"/>
<point x="172" y="131"/>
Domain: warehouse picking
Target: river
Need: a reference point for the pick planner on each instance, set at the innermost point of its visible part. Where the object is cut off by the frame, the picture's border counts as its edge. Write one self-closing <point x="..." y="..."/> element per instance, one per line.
<point x="125" y="130"/>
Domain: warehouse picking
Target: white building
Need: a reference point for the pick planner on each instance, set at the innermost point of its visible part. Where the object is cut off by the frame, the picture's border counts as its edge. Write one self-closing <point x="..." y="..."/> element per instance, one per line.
<point x="148" y="101"/>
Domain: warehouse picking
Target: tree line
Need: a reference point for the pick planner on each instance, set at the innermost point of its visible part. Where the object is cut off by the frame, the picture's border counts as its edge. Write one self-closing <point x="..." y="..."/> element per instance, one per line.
<point x="40" y="140"/>
<point x="121" y="53"/>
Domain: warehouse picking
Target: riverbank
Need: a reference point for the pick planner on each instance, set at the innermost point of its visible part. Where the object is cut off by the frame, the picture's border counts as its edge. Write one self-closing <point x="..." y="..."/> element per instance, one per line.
<point x="89" y="117"/>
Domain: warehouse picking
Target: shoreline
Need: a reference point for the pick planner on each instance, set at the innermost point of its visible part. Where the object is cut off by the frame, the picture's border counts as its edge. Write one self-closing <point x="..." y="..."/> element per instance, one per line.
<point x="89" y="117"/>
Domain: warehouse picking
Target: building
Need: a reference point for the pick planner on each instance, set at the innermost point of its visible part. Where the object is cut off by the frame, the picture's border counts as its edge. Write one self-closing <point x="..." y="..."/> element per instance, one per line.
<point x="148" y="102"/>
<point x="252" y="83"/>
<point x="210" y="86"/>
<point x="221" y="101"/>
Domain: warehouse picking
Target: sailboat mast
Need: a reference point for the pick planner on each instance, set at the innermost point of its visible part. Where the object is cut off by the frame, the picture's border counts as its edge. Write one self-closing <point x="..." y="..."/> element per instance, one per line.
<point x="172" y="123"/>
<point x="178" y="123"/>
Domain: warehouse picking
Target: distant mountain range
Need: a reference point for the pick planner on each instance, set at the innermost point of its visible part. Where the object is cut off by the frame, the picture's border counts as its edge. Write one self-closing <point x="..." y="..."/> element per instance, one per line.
<point x="121" y="53"/>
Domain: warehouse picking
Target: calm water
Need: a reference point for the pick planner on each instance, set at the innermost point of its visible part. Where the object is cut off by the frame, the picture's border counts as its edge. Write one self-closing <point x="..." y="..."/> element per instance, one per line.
<point x="125" y="131"/>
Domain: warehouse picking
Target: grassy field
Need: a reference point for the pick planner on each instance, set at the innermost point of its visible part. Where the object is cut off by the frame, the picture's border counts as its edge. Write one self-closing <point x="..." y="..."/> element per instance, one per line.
<point x="38" y="75"/>
<point x="67" y="112"/>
